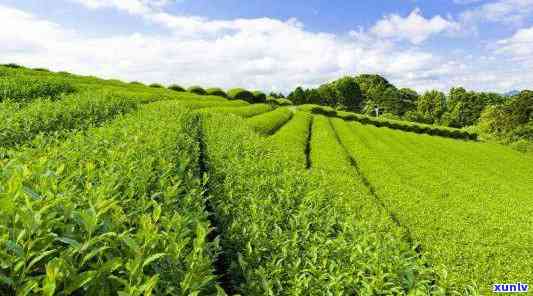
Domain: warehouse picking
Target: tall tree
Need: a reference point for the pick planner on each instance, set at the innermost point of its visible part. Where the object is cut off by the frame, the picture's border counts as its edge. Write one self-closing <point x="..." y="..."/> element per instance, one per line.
<point x="408" y="99"/>
<point x="298" y="96"/>
<point x="431" y="105"/>
<point x="348" y="93"/>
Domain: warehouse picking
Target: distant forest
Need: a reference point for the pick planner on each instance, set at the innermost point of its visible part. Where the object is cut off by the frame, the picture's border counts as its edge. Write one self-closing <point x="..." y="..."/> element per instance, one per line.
<point x="508" y="118"/>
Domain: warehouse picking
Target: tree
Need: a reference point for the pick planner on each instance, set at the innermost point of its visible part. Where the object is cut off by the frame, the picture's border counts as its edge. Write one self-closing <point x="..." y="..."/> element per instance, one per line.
<point x="276" y="95"/>
<point x="328" y="95"/>
<point x="298" y="96"/>
<point x="348" y="93"/>
<point x="381" y="92"/>
<point x="431" y="105"/>
<point x="464" y="107"/>
<point x="312" y="96"/>
<point x="408" y="99"/>
<point x="522" y="107"/>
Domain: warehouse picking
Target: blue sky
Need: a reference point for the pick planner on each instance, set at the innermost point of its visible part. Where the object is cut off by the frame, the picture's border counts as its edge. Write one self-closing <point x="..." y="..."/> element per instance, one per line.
<point x="277" y="45"/>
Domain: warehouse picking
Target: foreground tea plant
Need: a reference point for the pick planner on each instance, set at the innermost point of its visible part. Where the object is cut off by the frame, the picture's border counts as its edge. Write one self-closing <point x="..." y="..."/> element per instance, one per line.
<point x="113" y="210"/>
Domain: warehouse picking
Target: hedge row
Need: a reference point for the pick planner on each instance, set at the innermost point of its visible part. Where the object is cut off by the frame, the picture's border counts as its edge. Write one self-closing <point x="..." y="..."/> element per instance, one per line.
<point x="176" y="87"/>
<point x="268" y="123"/>
<point x="287" y="232"/>
<point x="292" y="139"/>
<point x="82" y="110"/>
<point x="215" y="91"/>
<point x="244" y="110"/>
<point x="279" y="102"/>
<point x="394" y="124"/>
<point x="25" y="89"/>
<point x="197" y="90"/>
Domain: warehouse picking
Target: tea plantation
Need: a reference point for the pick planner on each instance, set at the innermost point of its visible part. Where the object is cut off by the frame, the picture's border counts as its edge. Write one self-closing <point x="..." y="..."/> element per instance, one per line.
<point x="114" y="188"/>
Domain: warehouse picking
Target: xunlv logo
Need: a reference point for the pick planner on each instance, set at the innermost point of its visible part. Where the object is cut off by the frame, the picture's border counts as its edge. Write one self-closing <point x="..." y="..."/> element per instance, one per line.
<point x="510" y="288"/>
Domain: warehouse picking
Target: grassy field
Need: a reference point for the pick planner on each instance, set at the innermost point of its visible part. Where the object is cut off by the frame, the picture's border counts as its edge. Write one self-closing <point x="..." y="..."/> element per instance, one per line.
<point x="113" y="188"/>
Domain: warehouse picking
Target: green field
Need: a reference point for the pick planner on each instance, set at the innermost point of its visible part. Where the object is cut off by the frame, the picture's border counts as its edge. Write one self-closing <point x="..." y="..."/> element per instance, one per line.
<point x="114" y="188"/>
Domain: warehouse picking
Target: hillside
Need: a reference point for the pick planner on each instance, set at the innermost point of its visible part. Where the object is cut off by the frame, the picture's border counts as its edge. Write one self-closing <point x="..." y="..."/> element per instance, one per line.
<point x="114" y="188"/>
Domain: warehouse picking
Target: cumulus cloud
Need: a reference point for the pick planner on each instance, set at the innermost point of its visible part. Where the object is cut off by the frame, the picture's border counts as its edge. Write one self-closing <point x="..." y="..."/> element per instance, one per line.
<point x="264" y="53"/>
<point x="519" y="46"/>
<point x="500" y="11"/>
<point x="414" y="28"/>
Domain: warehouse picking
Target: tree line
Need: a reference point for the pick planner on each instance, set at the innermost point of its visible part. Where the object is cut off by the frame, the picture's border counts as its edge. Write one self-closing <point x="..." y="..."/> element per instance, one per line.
<point x="506" y="117"/>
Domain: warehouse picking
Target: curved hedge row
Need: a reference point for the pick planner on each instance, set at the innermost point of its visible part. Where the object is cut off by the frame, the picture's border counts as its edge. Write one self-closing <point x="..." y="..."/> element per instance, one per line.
<point x="243" y="111"/>
<point x="268" y="123"/>
<point x="197" y="90"/>
<point x="259" y="97"/>
<point x="292" y="139"/>
<point x="241" y="94"/>
<point x="215" y="91"/>
<point x="394" y="124"/>
<point x="176" y="87"/>
<point x="279" y="102"/>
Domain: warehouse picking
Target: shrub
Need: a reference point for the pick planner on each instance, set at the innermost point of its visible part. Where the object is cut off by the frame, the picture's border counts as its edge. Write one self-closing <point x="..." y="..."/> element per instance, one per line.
<point x="215" y="91"/>
<point x="156" y="85"/>
<point x="259" y="97"/>
<point x="280" y="102"/>
<point x="241" y="94"/>
<point x="136" y="83"/>
<point x="328" y="111"/>
<point x="176" y="87"/>
<point x="197" y="90"/>
<point x="41" y="70"/>
<point x="13" y="65"/>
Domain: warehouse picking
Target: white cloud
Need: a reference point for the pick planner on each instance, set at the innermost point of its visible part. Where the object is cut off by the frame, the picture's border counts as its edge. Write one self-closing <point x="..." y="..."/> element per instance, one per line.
<point x="500" y="11"/>
<point x="135" y="7"/>
<point x="414" y="28"/>
<point x="263" y="53"/>
<point x="519" y="46"/>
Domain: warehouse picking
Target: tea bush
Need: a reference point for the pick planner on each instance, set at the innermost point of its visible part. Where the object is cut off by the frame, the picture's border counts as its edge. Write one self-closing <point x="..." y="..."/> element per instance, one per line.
<point x="215" y="91"/>
<point x="115" y="210"/>
<point x="197" y="90"/>
<point x="241" y="94"/>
